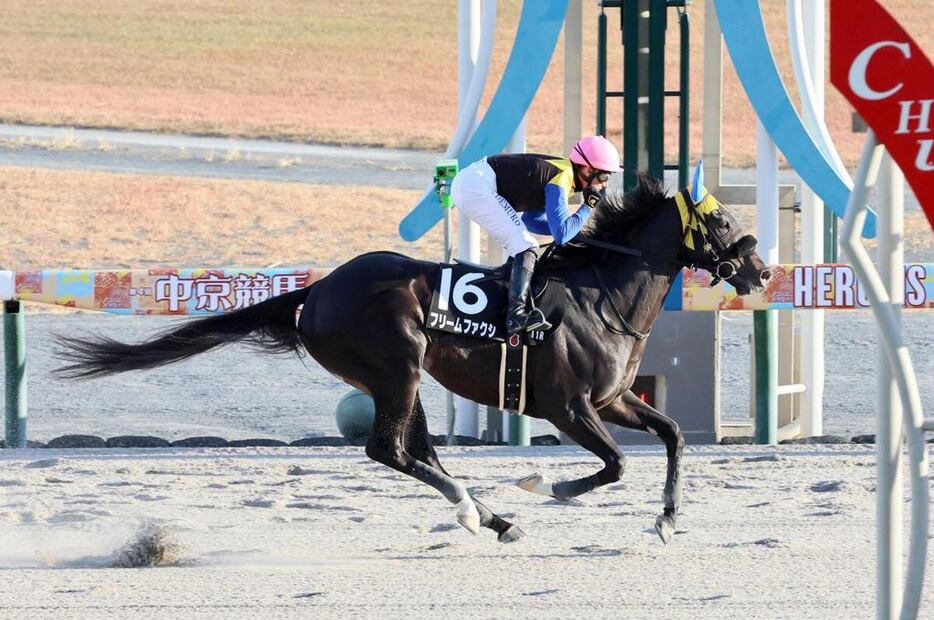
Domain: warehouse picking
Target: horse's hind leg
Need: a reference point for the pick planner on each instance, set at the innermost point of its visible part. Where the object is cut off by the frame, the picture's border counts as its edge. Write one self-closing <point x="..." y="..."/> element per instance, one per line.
<point x="582" y="425"/>
<point x="418" y="444"/>
<point x="376" y="341"/>
<point x="630" y="412"/>
<point x="394" y="396"/>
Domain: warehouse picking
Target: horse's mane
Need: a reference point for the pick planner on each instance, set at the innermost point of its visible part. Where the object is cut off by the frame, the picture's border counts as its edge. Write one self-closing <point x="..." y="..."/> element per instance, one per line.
<point x="617" y="218"/>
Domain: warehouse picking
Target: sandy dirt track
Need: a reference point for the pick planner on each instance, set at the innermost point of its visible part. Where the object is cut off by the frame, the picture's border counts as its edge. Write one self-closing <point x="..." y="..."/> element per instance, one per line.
<point x="765" y="533"/>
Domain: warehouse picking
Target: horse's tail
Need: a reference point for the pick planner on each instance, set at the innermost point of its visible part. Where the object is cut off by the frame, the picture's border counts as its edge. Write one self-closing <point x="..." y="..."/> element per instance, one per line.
<point x="269" y="326"/>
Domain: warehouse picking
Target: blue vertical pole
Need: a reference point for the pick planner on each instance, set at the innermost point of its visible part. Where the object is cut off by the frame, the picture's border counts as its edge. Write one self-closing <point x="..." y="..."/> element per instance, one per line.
<point x="14" y="344"/>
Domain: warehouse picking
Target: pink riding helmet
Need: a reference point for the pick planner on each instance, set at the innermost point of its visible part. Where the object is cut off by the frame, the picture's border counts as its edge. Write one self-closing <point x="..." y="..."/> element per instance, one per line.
<point x="596" y="152"/>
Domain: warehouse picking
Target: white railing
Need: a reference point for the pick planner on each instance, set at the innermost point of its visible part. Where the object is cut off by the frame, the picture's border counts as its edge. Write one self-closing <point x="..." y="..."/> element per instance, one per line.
<point x="888" y="495"/>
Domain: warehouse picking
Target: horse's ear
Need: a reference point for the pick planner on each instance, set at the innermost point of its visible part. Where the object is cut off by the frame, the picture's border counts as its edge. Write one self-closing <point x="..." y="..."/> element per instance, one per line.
<point x="697" y="182"/>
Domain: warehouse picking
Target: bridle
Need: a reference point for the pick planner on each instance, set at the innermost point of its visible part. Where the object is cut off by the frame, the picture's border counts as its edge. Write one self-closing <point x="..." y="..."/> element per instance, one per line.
<point x="714" y="247"/>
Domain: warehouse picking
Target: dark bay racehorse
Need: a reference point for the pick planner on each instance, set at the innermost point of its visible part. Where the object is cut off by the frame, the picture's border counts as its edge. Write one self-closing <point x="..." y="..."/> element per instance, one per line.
<point x="365" y="322"/>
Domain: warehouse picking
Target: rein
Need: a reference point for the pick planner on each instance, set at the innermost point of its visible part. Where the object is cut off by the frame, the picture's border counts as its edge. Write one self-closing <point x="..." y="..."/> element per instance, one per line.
<point x="620" y="249"/>
<point x="627" y="329"/>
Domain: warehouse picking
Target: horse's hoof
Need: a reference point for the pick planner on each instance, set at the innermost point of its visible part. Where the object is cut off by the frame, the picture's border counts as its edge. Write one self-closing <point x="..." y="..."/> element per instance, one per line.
<point x="468" y="516"/>
<point x="529" y="483"/>
<point x="665" y="526"/>
<point x="536" y="484"/>
<point x="511" y="535"/>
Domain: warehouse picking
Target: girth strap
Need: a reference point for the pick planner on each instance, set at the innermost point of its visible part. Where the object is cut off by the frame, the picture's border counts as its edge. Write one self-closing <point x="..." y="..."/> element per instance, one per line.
<point x="512" y="374"/>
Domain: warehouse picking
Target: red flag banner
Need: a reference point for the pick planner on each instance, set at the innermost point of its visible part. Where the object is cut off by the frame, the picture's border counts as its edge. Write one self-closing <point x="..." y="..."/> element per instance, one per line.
<point x="890" y="82"/>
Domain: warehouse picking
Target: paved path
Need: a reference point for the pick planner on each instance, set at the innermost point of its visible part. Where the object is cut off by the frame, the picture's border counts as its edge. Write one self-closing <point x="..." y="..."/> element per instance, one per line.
<point x="137" y="152"/>
<point x="228" y="158"/>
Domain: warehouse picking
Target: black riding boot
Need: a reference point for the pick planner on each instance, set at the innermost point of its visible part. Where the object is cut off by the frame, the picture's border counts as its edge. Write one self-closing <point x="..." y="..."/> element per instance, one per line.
<point x="518" y="319"/>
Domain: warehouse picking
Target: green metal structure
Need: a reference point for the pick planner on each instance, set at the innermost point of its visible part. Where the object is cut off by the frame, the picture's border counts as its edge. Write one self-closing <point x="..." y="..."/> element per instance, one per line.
<point x="643" y="24"/>
<point x="765" y="343"/>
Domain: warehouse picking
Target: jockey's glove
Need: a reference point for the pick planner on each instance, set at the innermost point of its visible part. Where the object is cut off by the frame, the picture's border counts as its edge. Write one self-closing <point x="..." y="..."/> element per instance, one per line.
<point x="592" y="197"/>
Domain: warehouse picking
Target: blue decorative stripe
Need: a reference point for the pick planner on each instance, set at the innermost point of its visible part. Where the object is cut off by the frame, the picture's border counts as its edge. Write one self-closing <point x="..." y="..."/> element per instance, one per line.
<point x="744" y="33"/>
<point x="675" y="294"/>
<point x="539" y="27"/>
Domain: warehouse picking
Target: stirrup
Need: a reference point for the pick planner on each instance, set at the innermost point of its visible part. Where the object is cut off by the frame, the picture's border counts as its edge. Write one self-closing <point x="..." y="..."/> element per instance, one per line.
<point x="517" y="329"/>
<point x="536" y="321"/>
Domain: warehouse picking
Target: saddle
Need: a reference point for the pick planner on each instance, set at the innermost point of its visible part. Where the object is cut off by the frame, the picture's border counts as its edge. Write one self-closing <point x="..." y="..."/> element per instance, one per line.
<point x="470" y="300"/>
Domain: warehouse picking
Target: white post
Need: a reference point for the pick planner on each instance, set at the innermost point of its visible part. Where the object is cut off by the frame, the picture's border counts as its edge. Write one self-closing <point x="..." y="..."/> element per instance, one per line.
<point x="496" y="429"/>
<point x="899" y="360"/>
<point x="766" y="343"/>
<point x="468" y="47"/>
<point x="463" y="411"/>
<point x="516" y="143"/>
<point x="766" y="196"/>
<point x="890" y="191"/>
<point x="497" y="424"/>
<point x="713" y="98"/>
<point x="812" y="235"/>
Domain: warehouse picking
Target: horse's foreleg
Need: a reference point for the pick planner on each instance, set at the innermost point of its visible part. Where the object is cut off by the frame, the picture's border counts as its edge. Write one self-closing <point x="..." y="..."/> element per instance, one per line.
<point x="582" y="425"/>
<point x="418" y="444"/>
<point x="394" y="398"/>
<point x="631" y="412"/>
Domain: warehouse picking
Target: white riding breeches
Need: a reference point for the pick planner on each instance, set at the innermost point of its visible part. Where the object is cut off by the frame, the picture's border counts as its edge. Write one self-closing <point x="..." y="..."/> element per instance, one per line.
<point x="474" y="193"/>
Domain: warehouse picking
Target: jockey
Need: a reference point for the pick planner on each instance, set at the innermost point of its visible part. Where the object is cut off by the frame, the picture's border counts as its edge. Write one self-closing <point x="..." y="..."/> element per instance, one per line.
<point x="492" y="190"/>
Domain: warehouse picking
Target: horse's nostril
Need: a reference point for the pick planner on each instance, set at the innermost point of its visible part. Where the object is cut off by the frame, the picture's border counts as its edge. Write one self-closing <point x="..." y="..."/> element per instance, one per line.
<point x="765" y="275"/>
